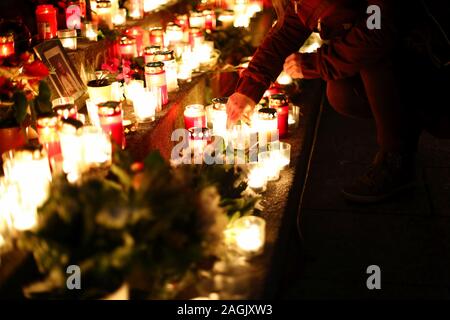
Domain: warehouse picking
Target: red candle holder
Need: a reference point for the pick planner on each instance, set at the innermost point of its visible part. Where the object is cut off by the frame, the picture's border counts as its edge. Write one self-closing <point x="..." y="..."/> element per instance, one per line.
<point x="194" y="116"/>
<point x="150" y="52"/>
<point x="6" y="45"/>
<point x="210" y="20"/>
<point x="157" y="36"/>
<point x="128" y="48"/>
<point x="183" y="21"/>
<point x="280" y="103"/>
<point x="47" y="129"/>
<point x="47" y="24"/>
<point x="138" y="34"/>
<point x="110" y="116"/>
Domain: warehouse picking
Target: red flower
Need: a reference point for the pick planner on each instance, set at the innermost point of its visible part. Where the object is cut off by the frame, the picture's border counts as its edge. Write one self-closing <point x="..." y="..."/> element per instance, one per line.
<point x="36" y="69"/>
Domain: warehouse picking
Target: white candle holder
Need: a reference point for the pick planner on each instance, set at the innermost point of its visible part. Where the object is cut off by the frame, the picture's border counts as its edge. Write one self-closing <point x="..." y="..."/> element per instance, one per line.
<point x="247" y="236"/>
<point x="96" y="148"/>
<point x="68" y="38"/>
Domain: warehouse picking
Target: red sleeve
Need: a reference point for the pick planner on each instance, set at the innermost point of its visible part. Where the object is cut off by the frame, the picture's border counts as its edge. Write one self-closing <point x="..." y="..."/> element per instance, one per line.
<point x="346" y="56"/>
<point x="268" y="60"/>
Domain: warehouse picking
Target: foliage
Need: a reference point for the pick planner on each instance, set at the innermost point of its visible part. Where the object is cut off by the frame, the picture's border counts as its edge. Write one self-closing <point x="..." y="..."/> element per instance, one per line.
<point x="149" y="224"/>
<point x="22" y="85"/>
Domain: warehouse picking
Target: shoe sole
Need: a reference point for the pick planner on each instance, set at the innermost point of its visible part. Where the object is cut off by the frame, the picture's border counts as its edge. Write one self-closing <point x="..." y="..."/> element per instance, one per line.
<point x="374" y="199"/>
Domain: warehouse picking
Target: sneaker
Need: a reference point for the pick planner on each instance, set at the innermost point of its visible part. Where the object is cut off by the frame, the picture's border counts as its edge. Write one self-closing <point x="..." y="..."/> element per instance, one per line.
<point x="389" y="174"/>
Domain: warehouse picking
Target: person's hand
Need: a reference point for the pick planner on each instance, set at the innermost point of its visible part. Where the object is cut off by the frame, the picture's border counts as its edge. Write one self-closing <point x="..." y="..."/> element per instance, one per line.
<point x="239" y="106"/>
<point x="293" y="67"/>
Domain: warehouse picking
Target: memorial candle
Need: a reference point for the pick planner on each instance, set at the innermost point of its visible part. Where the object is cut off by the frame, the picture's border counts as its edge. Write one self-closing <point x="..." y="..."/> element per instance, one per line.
<point x="47" y="129"/>
<point x="91" y="31"/>
<point x="219" y="116"/>
<point x="171" y="68"/>
<point x="150" y="52"/>
<point x="6" y="46"/>
<point x="68" y="38"/>
<point x="196" y="20"/>
<point x="155" y="80"/>
<point x="227" y="18"/>
<point x="110" y="115"/>
<point x="145" y="105"/>
<point x="210" y="20"/>
<point x="120" y="17"/>
<point x="136" y="9"/>
<point x="65" y="107"/>
<point x="128" y="49"/>
<point x="157" y="36"/>
<point x="196" y="37"/>
<point x="46" y="21"/>
<point x="174" y="34"/>
<point x="104" y="13"/>
<point x="194" y="116"/>
<point x="249" y="235"/>
<point x="138" y="34"/>
<point x="280" y="103"/>
<point x="96" y="147"/>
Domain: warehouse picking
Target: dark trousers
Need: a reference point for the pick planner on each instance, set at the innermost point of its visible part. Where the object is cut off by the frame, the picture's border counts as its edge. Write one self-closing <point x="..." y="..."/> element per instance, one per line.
<point x="403" y="99"/>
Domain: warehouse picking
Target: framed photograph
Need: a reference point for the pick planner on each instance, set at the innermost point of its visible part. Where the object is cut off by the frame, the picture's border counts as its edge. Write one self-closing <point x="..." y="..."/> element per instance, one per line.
<point x="63" y="76"/>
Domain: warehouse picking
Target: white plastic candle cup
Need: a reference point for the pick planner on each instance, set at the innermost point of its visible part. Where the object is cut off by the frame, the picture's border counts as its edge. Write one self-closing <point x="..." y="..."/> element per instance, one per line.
<point x="145" y="106"/>
<point x="256" y="179"/>
<point x="68" y="38"/>
<point x="99" y="92"/>
<point x="249" y="235"/>
<point x="96" y="147"/>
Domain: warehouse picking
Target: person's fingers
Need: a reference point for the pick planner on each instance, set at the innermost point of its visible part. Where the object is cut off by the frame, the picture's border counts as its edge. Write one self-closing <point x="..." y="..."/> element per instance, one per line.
<point x="292" y="57"/>
<point x="291" y="63"/>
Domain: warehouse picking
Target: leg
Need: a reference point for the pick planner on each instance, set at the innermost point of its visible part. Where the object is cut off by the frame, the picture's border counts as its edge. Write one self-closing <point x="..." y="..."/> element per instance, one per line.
<point x="348" y="97"/>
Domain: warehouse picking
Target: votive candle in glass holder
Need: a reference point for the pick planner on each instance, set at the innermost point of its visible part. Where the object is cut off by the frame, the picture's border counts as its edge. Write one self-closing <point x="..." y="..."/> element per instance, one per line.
<point x="281" y="152"/>
<point x="138" y="34"/>
<point x="184" y="73"/>
<point x="104" y="13"/>
<point x="199" y="138"/>
<point x="46" y="21"/>
<point x="249" y="235"/>
<point x="65" y="107"/>
<point x="71" y="151"/>
<point x="120" y="17"/>
<point x="267" y="125"/>
<point x="133" y="88"/>
<point x="6" y="45"/>
<point x="196" y="38"/>
<point x="257" y="179"/>
<point x="156" y="36"/>
<point x="91" y="31"/>
<point x="227" y="18"/>
<point x="136" y="9"/>
<point x="68" y="38"/>
<point x="171" y="68"/>
<point x="194" y="116"/>
<point x="219" y="115"/>
<point x="128" y="48"/>
<point x="47" y="129"/>
<point x="210" y="19"/>
<point x="281" y="104"/>
<point x="110" y="115"/>
<point x="269" y="161"/>
<point x="96" y="147"/>
<point x="155" y="80"/>
<point x="196" y="20"/>
<point x="144" y="105"/>
<point x="173" y="35"/>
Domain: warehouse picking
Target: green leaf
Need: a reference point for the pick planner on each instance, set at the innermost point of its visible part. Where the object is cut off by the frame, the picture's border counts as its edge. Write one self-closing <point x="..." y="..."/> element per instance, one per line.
<point x="43" y="104"/>
<point x="21" y="105"/>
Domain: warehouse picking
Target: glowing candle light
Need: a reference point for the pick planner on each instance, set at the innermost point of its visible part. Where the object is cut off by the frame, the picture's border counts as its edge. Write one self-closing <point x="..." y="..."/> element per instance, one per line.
<point x="174" y="34"/>
<point x="91" y="31"/>
<point x="138" y="34"/>
<point x="257" y="179"/>
<point x="171" y="68"/>
<point x="68" y="38"/>
<point x="99" y="92"/>
<point x="249" y="235"/>
<point x="46" y="21"/>
<point x="150" y="52"/>
<point x="47" y="129"/>
<point x="6" y="46"/>
<point x="71" y="150"/>
<point x="144" y="105"/>
<point x="128" y="48"/>
<point x="110" y="115"/>
<point x="96" y="147"/>
<point x="120" y="17"/>
<point x="155" y="79"/>
<point x="157" y="36"/>
<point x="196" y="20"/>
<point x="194" y="116"/>
<point x="196" y="37"/>
<point x="267" y="125"/>
<point x="104" y="13"/>
<point x="136" y="9"/>
<point x="210" y="20"/>
<point x="227" y="18"/>
<point x="219" y="116"/>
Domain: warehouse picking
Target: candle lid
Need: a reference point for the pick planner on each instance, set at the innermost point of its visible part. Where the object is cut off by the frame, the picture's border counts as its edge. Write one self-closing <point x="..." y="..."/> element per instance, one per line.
<point x="194" y="110"/>
<point x="152" y="49"/>
<point x="277" y="100"/>
<point x="267" y="113"/>
<point x="154" y="67"/>
<point x="165" y="55"/>
<point x="103" y="4"/>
